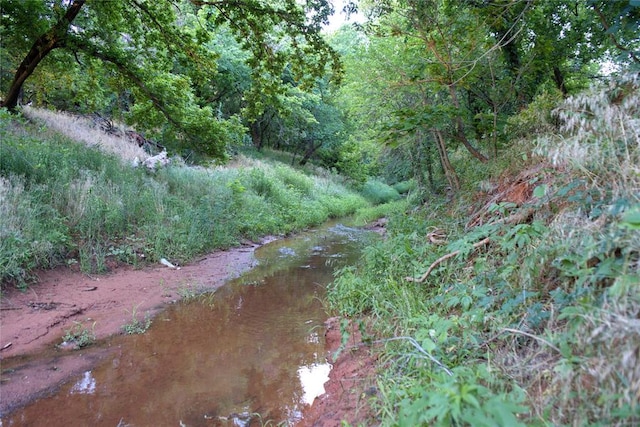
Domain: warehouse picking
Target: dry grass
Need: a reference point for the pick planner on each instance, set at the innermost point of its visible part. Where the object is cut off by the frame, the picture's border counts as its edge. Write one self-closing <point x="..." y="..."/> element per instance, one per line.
<point x="10" y="195"/>
<point x="602" y="141"/>
<point x="597" y="375"/>
<point x="82" y="129"/>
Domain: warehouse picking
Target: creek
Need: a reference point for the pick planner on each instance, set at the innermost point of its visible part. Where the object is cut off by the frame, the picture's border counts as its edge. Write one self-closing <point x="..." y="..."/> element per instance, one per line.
<point x="251" y="353"/>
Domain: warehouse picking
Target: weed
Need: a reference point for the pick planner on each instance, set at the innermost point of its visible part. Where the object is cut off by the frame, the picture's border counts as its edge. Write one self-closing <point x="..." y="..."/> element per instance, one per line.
<point x="58" y="197"/>
<point x="377" y="192"/>
<point x="80" y="335"/>
<point x="190" y="291"/>
<point x="537" y="325"/>
<point x="137" y="326"/>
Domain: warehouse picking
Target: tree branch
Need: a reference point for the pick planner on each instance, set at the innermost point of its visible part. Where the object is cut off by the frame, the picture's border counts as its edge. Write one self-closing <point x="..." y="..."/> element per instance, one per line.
<point x="43" y="45"/>
<point x="615" y="41"/>
<point x="440" y="260"/>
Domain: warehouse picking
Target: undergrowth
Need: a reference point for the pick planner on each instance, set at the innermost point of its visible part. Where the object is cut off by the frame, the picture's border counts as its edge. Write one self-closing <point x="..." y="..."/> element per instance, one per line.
<point x="63" y="202"/>
<point x="522" y="312"/>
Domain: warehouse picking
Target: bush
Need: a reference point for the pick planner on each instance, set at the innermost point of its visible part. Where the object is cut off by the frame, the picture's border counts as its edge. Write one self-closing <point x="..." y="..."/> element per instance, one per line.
<point x="31" y="234"/>
<point x="405" y="186"/>
<point x="377" y="192"/>
<point x="538" y="323"/>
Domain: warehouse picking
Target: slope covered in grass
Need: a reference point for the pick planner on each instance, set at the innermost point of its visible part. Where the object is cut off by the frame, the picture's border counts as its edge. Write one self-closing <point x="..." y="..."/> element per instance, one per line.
<point x="64" y="201"/>
<point x="519" y="305"/>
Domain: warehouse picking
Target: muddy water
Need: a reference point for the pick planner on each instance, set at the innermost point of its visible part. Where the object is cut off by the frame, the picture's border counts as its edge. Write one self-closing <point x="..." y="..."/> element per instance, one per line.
<point x="250" y="353"/>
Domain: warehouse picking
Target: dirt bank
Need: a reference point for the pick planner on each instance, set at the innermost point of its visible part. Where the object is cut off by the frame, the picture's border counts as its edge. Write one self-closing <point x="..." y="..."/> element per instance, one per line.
<point x="32" y="324"/>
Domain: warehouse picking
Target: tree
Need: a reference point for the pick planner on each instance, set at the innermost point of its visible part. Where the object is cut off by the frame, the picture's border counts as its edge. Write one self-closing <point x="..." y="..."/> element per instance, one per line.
<point x="448" y="74"/>
<point x="160" y="49"/>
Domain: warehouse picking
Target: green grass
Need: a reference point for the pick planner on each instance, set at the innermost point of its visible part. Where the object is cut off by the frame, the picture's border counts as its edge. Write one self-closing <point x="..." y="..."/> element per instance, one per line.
<point x="64" y="202"/>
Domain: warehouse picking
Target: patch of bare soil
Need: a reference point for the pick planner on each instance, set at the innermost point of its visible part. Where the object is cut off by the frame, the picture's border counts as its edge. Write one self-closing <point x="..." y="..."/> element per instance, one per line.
<point x="33" y="323"/>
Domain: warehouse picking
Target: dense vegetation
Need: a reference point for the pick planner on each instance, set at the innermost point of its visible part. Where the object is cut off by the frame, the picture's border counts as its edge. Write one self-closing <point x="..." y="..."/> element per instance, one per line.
<point x="507" y="289"/>
<point x="529" y="312"/>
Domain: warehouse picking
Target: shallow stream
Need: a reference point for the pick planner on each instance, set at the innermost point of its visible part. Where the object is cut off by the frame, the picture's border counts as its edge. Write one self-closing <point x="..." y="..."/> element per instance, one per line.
<point x="249" y="354"/>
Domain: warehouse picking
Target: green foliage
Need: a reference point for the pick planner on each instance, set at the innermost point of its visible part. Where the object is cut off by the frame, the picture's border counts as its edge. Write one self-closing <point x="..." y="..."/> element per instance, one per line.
<point x="536" y="118"/>
<point x="184" y="71"/>
<point x="377" y="192"/>
<point x="533" y="326"/>
<point x="32" y="234"/>
<point x="462" y="399"/>
<point x="405" y="186"/>
<point x="413" y="70"/>
<point x="368" y="214"/>
<point x="137" y="326"/>
<point x="80" y="335"/>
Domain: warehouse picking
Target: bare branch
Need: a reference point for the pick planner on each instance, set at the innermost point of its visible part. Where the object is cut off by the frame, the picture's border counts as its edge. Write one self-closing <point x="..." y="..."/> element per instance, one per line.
<point x="442" y="259"/>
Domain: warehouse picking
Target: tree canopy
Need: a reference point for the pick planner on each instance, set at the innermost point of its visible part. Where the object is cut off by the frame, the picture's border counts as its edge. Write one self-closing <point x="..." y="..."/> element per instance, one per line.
<point x="161" y="58"/>
<point x="435" y="77"/>
<point x="422" y="79"/>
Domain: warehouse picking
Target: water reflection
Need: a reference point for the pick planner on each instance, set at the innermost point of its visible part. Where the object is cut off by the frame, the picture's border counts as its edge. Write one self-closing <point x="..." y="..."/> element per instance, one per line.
<point x="86" y="384"/>
<point x="252" y="353"/>
<point x="312" y="379"/>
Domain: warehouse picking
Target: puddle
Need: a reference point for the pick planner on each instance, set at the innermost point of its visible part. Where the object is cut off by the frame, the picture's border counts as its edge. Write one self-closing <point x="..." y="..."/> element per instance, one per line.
<point x="248" y="354"/>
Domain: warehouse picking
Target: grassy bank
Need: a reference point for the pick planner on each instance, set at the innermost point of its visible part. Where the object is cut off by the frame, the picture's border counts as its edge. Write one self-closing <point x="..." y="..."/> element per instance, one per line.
<point x="64" y="201"/>
<point x="519" y="305"/>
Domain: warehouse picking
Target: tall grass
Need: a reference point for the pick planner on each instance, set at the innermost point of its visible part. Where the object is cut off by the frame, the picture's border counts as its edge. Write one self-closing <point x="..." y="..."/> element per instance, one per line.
<point x="539" y="325"/>
<point x="62" y="201"/>
<point x="82" y="129"/>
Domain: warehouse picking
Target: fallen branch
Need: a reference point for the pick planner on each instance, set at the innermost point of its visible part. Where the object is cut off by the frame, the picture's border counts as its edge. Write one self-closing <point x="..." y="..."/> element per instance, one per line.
<point x="516" y="331"/>
<point x="442" y="259"/>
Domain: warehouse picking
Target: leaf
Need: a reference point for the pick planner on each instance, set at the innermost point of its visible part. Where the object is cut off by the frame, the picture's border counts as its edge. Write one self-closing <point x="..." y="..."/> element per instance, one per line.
<point x="471" y="399"/>
<point x="540" y="191"/>
<point x="429" y="345"/>
<point x="632" y="218"/>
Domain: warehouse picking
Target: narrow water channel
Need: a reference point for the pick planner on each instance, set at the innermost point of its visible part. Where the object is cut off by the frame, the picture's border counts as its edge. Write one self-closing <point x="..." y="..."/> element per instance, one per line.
<point x="250" y="354"/>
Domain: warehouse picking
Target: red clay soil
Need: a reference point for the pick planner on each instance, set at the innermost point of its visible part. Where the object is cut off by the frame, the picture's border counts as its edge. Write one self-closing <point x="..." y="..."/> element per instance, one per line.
<point x="33" y="322"/>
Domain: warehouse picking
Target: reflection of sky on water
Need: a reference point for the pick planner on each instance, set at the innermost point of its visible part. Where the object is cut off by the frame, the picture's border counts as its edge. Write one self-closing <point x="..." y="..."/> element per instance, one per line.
<point x="313" y="338"/>
<point x="85" y="385"/>
<point x="312" y="379"/>
<point x="287" y="252"/>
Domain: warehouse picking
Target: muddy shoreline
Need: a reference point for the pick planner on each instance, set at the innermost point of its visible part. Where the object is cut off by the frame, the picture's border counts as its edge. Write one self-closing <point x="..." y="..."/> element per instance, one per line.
<point x="34" y="322"/>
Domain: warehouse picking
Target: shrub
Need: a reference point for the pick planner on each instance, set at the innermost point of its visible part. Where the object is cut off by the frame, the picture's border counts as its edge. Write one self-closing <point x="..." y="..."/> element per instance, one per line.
<point x="405" y="186"/>
<point x="377" y="192"/>
<point x="536" y="325"/>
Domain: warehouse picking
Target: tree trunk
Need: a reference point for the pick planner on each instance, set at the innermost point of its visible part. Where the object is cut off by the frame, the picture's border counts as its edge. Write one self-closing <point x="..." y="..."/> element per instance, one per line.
<point x="44" y="44"/>
<point x="460" y="134"/>
<point x="256" y="134"/>
<point x="311" y="148"/>
<point x="449" y="172"/>
<point x="558" y="78"/>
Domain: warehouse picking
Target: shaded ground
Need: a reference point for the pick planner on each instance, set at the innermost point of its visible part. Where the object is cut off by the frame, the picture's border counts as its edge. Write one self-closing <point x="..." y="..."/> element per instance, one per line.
<point x="33" y="324"/>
